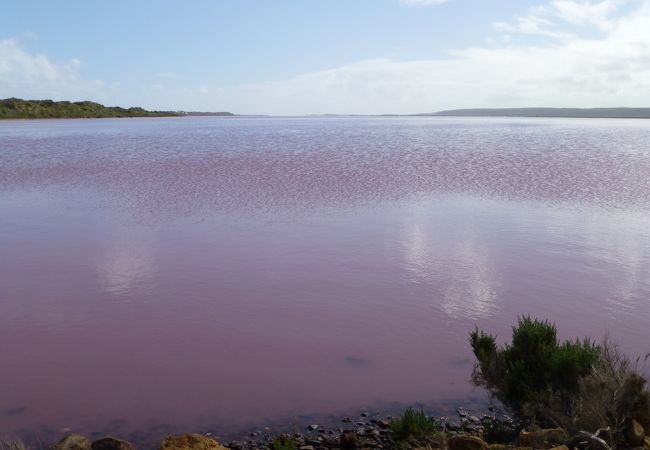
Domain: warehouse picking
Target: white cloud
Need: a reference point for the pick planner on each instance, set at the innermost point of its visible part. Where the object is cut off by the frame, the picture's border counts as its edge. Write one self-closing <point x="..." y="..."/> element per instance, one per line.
<point x="606" y="65"/>
<point x="610" y="67"/>
<point x="422" y="2"/>
<point x="29" y="75"/>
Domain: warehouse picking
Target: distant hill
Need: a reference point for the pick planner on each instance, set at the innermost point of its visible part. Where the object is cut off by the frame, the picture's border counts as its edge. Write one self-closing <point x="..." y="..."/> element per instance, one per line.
<point x="16" y="108"/>
<point x="631" y="113"/>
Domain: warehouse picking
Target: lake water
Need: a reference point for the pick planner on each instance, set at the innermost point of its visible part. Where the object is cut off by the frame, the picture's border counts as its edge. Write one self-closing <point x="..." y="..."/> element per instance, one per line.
<point x="210" y="273"/>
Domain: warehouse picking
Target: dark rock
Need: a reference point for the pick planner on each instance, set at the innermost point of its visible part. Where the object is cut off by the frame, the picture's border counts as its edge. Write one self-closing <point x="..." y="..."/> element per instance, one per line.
<point x="454" y="426"/>
<point x="313" y="427"/>
<point x="346" y="420"/>
<point x="368" y="442"/>
<point x="474" y="429"/>
<point x="349" y="440"/>
<point x="110" y="443"/>
<point x="364" y="414"/>
<point x="330" y="441"/>
<point x="382" y="423"/>
<point x="72" y="442"/>
<point x="474" y="419"/>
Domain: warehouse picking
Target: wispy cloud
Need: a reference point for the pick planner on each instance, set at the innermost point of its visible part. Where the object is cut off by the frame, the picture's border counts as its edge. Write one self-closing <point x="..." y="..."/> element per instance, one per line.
<point x="167" y="75"/>
<point x="558" y="18"/>
<point x="583" y="12"/>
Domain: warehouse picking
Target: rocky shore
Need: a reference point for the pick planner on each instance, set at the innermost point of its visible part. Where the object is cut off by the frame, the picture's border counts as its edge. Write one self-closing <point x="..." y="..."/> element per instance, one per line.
<point x="467" y="430"/>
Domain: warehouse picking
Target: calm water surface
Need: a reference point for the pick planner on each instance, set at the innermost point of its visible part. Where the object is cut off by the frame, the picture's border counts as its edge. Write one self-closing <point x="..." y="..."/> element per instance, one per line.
<point x="210" y="272"/>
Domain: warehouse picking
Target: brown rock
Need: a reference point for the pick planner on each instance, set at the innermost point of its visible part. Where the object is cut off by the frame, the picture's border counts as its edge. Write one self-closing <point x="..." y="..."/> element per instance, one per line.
<point x="547" y="438"/>
<point x="635" y="434"/>
<point x="72" y="442"/>
<point x="646" y="443"/>
<point x="499" y="447"/>
<point x="349" y="440"/>
<point x="111" y="443"/>
<point x="561" y="447"/>
<point x="190" y="441"/>
<point x="464" y="442"/>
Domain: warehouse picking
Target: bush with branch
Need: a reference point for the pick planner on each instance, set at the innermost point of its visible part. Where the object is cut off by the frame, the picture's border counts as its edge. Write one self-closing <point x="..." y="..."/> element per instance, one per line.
<point x="577" y="385"/>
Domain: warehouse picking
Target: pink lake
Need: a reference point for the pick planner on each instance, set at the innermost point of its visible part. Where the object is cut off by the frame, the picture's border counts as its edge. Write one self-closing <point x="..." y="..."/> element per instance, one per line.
<point x="217" y="273"/>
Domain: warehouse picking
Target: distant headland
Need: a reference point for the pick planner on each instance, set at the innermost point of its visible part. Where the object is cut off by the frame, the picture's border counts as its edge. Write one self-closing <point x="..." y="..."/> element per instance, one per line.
<point x="611" y="113"/>
<point x="16" y="108"/>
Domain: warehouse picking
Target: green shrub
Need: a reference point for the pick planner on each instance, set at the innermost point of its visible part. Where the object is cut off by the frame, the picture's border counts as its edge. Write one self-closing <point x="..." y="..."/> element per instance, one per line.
<point x="534" y="366"/>
<point x="413" y="424"/>
<point x="283" y="442"/>
<point x="498" y="432"/>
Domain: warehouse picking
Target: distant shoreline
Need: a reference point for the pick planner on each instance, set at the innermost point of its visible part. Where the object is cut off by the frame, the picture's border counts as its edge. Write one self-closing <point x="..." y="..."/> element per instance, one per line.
<point x="568" y="113"/>
<point x="16" y="108"/>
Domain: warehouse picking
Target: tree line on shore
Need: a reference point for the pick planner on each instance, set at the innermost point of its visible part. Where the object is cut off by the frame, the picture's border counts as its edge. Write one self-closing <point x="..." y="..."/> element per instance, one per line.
<point x="16" y="108"/>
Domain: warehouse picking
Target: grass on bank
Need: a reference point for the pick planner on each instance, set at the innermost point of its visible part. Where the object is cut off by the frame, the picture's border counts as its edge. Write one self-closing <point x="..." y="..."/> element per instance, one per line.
<point x="413" y="424"/>
<point x="283" y="442"/>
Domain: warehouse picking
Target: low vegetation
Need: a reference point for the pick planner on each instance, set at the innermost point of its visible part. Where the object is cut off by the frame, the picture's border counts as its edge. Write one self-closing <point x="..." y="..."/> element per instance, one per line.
<point x="283" y="442"/>
<point x="576" y="385"/>
<point x="413" y="424"/>
<point x="15" y="108"/>
<point x="12" y="445"/>
<point x="535" y="364"/>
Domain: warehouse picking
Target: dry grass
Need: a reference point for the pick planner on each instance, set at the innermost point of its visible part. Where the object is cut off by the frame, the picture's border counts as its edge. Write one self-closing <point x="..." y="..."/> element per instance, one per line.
<point x="610" y="396"/>
<point x="12" y="444"/>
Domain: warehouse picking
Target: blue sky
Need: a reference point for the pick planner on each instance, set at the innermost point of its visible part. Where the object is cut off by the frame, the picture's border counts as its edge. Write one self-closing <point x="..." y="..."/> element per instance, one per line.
<point x="328" y="56"/>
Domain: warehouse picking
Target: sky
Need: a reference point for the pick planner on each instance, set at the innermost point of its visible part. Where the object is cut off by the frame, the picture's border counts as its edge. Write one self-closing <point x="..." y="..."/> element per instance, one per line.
<point x="288" y="57"/>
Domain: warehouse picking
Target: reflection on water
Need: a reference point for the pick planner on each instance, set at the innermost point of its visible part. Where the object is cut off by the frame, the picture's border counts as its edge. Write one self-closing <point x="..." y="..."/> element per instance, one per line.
<point x="126" y="263"/>
<point x="454" y="256"/>
<point x="216" y="272"/>
<point x="473" y="282"/>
